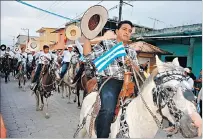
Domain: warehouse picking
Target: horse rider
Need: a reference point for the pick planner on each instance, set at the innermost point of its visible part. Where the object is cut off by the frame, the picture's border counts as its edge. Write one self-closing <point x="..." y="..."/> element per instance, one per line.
<point x="8" y="51"/>
<point x="112" y="88"/>
<point x="22" y="58"/>
<point x="54" y="56"/>
<point x="66" y="54"/>
<point x="36" y="57"/>
<point x="44" y="59"/>
<point x="82" y="66"/>
<point x="7" y="70"/>
<point x="29" y="64"/>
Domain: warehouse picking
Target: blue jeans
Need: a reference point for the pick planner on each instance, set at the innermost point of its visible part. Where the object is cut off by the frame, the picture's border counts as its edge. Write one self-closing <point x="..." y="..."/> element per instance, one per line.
<point x="37" y="73"/>
<point x="109" y="96"/>
<point x="64" y="69"/>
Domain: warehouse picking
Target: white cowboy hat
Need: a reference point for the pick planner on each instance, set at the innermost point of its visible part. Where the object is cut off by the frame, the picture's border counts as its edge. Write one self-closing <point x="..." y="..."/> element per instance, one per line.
<point x="73" y="32"/>
<point x="70" y="46"/>
<point x="93" y="21"/>
<point x="187" y="70"/>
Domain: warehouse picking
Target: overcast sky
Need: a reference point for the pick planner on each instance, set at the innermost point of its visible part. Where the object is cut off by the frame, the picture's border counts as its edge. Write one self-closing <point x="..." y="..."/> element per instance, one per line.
<point x="15" y="16"/>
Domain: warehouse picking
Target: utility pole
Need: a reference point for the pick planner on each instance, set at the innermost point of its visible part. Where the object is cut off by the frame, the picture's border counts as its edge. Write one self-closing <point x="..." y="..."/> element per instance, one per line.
<point x="28" y="35"/>
<point x="120" y="9"/>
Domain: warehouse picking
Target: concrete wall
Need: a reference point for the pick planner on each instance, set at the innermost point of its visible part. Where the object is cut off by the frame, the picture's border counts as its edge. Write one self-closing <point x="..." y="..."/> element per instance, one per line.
<point x="47" y="37"/>
<point x="182" y="50"/>
<point x="60" y="44"/>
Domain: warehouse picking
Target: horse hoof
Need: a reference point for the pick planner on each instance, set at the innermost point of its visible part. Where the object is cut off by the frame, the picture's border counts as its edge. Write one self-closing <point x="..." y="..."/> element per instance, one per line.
<point x="74" y="101"/>
<point x="41" y="108"/>
<point x="79" y="107"/>
<point x="37" y="109"/>
<point x="66" y="95"/>
<point x="47" y="116"/>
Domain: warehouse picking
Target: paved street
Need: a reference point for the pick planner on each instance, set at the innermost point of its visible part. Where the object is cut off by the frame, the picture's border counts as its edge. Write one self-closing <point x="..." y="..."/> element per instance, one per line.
<point x="22" y="120"/>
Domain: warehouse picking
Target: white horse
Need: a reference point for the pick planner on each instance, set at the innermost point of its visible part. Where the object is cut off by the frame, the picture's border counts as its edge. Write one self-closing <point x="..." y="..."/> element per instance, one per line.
<point x="162" y="91"/>
<point x="68" y="78"/>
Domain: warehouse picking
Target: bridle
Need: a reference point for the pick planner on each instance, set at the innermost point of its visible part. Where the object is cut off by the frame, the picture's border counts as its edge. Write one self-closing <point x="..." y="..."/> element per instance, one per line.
<point x="163" y="96"/>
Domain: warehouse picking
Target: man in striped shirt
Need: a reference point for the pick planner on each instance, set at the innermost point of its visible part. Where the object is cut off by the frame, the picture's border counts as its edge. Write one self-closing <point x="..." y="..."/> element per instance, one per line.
<point x="112" y="88"/>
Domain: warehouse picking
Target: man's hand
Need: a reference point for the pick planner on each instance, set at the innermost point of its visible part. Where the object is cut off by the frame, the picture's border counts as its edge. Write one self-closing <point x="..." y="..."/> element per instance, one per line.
<point x="87" y="47"/>
<point x="129" y="62"/>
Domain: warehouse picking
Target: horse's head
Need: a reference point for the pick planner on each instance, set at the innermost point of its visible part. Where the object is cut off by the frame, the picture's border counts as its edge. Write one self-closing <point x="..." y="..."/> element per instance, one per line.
<point x="173" y="97"/>
<point x="74" y="59"/>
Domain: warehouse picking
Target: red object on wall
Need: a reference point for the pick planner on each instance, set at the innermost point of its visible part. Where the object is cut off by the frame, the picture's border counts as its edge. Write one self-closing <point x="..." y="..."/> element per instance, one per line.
<point x="65" y="39"/>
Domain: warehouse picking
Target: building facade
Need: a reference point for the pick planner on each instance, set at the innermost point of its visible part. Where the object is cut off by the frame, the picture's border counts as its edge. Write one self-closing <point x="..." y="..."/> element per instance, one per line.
<point x="46" y="37"/>
<point x="184" y="42"/>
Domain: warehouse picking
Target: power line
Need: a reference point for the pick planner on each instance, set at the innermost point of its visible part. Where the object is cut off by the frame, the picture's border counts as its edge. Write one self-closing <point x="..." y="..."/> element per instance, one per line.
<point x="54" y="10"/>
<point x="42" y="14"/>
<point x="79" y="15"/>
<point x="45" y="10"/>
<point x="85" y="11"/>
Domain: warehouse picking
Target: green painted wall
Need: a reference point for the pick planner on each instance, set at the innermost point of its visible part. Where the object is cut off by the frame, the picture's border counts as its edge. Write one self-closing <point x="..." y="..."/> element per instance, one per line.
<point x="182" y="50"/>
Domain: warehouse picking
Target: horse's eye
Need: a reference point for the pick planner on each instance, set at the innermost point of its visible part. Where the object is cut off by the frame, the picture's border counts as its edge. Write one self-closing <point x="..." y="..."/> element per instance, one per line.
<point x="169" y="89"/>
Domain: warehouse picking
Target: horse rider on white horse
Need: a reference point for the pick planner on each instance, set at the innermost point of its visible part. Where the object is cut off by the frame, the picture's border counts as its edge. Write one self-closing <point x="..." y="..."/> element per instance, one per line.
<point x="66" y="54"/>
<point x="44" y="59"/>
<point x="112" y="88"/>
<point x="82" y="65"/>
<point x="22" y="58"/>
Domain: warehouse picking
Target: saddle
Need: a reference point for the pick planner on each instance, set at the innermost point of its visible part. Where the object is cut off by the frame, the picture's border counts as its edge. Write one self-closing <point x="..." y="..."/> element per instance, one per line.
<point x="128" y="89"/>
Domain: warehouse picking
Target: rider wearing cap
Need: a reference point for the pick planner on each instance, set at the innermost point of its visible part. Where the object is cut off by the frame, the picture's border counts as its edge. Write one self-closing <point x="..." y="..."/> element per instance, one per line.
<point x="44" y="59"/>
<point x="67" y="54"/>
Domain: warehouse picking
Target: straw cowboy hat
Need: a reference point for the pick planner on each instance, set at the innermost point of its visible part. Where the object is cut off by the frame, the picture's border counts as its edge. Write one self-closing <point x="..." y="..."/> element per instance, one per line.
<point x="93" y="21"/>
<point x="73" y="32"/>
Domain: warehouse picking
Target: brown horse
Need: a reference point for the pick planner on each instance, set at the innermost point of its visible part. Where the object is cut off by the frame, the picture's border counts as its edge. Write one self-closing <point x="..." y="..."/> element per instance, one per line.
<point x="45" y="86"/>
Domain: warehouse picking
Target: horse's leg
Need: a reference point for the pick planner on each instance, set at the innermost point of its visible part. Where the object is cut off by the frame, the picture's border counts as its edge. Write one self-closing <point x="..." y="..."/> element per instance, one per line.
<point x="37" y="100"/>
<point x="67" y="89"/>
<point x="19" y="84"/>
<point x="69" y="93"/>
<point x="6" y="77"/>
<point x="75" y="98"/>
<point x="24" y="80"/>
<point x="58" y="88"/>
<point x="47" y="114"/>
<point x="78" y="94"/>
<point x="62" y="89"/>
<point x="42" y="101"/>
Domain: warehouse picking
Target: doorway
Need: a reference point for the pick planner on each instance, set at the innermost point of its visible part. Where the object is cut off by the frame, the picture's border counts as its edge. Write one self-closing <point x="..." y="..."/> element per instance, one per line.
<point x="182" y="60"/>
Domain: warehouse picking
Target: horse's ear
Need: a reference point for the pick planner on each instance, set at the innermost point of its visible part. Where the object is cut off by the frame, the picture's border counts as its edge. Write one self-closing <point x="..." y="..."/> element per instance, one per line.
<point x="159" y="64"/>
<point x="176" y="62"/>
<point x="158" y="61"/>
